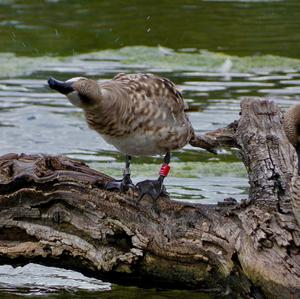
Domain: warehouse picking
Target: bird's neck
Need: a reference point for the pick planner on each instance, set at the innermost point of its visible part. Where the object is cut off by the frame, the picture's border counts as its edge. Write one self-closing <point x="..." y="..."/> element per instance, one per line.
<point x="108" y="109"/>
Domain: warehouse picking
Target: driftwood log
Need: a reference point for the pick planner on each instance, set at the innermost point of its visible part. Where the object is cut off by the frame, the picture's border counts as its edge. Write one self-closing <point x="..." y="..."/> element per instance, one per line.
<point x="53" y="211"/>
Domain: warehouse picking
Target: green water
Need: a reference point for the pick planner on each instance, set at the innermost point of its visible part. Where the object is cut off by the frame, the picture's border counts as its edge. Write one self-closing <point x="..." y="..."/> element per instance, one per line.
<point x="37" y="27"/>
<point x="117" y="292"/>
<point x="217" y="52"/>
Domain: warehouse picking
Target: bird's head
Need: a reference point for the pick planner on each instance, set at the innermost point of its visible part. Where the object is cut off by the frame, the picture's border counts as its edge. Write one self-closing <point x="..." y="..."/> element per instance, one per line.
<point x="81" y="92"/>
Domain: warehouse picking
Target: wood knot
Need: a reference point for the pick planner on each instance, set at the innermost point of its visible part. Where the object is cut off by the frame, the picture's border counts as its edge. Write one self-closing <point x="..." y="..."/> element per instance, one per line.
<point x="58" y="214"/>
<point x="47" y="165"/>
<point x="6" y="170"/>
<point x="43" y="167"/>
<point x="57" y="217"/>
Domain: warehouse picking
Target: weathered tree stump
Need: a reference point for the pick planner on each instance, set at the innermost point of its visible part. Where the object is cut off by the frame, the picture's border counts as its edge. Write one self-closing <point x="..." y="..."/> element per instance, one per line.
<point x="53" y="211"/>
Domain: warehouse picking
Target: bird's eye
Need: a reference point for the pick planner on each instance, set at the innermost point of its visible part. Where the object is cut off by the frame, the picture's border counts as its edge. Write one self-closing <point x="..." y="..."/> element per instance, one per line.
<point x="85" y="100"/>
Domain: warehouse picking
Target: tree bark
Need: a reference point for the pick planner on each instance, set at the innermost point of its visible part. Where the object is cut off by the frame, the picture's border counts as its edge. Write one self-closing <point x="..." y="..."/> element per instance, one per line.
<point x="54" y="211"/>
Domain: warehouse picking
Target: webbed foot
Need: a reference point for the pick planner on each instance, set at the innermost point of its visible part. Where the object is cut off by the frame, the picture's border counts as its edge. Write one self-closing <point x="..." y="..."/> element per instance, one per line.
<point x="120" y="185"/>
<point x="154" y="188"/>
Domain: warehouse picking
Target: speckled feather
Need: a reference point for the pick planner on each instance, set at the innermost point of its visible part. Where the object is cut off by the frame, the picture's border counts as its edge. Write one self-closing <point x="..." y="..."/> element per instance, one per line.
<point x="292" y="124"/>
<point x="140" y="114"/>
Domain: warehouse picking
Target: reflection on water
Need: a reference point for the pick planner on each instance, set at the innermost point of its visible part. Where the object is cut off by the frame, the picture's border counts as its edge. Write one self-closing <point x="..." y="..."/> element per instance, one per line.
<point x="34" y="279"/>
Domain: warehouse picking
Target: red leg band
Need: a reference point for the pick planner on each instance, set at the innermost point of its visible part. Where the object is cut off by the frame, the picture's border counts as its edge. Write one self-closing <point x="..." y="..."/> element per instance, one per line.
<point x="164" y="170"/>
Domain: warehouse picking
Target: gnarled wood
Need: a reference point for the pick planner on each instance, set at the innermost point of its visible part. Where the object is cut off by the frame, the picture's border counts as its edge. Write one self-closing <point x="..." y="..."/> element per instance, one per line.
<point x="53" y="210"/>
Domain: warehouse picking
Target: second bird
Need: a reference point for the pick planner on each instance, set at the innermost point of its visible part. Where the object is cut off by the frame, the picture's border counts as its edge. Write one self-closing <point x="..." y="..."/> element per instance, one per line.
<point x="139" y="114"/>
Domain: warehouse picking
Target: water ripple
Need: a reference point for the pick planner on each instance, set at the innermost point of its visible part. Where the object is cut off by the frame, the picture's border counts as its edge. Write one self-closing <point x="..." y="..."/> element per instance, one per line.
<point x="39" y="280"/>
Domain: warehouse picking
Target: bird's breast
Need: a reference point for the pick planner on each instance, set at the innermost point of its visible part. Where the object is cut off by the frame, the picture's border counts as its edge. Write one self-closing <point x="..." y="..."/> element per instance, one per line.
<point x="135" y="144"/>
<point x="148" y="143"/>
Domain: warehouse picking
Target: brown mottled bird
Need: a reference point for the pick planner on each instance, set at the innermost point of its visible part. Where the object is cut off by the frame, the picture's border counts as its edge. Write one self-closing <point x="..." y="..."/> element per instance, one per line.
<point x="140" y="114"/>
<point x="291" y="122"/>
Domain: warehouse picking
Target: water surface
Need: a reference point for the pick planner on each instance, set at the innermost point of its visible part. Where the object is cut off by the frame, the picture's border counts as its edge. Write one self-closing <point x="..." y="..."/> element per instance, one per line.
<point x="38" y="27"/>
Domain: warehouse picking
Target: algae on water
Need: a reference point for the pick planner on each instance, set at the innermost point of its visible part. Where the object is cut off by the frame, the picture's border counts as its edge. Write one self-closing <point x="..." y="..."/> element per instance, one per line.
<point x="204" y="60"/>
<point x="179" y="169"/>
<point x="144" y="58"/>
<point x="14" y="66"/>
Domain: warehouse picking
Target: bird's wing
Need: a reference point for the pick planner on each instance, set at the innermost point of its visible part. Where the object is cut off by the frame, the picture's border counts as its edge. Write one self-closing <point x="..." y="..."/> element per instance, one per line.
<point x="154" y="89"/>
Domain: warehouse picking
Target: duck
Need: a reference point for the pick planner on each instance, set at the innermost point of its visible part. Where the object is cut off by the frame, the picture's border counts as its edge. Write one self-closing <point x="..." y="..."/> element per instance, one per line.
<point x="291" y="123"/>
<point x="139" y="114"/>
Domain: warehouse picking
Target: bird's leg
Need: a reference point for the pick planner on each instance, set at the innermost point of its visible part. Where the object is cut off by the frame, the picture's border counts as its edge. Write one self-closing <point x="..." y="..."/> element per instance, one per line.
<point x="124" y="184"/>
<point x="126" y="172"/>
<point x="155" y="188"/>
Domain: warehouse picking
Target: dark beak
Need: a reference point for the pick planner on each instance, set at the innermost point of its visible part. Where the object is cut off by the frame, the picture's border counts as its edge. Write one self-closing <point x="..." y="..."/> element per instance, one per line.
<point x="62" y="87"/>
